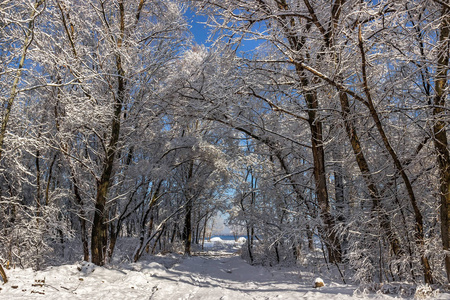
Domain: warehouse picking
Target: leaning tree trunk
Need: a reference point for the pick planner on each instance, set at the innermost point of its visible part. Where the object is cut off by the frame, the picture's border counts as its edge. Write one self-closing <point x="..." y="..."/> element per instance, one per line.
<point x="3" y="274"/>
<point x="144" y="232"/>
<point x="419" y="228"/>
<point x="367" y="176"/>
<point x="26" y="44"/>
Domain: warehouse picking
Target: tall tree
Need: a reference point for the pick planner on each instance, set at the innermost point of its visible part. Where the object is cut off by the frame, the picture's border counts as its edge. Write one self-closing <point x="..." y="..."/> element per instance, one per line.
<point x="115" y="71"/>
<point x="439" y="127"/>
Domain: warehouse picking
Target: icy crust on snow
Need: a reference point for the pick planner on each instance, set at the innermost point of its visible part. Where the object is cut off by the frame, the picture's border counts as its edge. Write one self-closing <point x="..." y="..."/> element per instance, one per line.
<point x="214" y="274"/>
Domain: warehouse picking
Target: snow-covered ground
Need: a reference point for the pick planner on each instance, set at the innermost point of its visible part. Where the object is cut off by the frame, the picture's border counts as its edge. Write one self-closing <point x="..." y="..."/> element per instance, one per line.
<point x="214" y="274"/>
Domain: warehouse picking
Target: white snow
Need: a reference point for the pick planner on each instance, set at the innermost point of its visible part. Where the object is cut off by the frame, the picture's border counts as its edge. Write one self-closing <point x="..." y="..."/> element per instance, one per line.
<point x="242" y="240"/>
<point x="318" y="282"/>
<point x="216" y="239"/>
<point x="218" y="274"/>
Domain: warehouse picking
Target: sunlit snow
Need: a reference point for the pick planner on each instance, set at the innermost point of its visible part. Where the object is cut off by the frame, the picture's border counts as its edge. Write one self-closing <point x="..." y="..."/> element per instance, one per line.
<point x="217" y="272"/>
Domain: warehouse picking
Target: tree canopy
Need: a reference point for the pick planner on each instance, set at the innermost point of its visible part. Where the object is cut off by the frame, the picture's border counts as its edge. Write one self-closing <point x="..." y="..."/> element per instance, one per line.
<point x="331" y="132"/>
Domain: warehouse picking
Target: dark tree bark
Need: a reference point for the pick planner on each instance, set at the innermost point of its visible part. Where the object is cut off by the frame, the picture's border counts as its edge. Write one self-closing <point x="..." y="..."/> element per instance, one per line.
<point x="367" y="175"/>
<point x="440" y="131"/>
<point x="49" y="179"/>
<point x="82" y="217"/>
<point x="419" y="228"/>
<point x="187" y="229"/>
<point x="297" y="43"/>
<point x="3" y="274"/>
<point x="99" y="237"/>
<point x="187" y="232"/>
<point x="155" y="197"/>
<point x="332" y="242"/>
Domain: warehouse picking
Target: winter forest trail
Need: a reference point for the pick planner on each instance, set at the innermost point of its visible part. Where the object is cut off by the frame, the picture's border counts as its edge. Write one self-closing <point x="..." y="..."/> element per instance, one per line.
<point x="219" y="273"/>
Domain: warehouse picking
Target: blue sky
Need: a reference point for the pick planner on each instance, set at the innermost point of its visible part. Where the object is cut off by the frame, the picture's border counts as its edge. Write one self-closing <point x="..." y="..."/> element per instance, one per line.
<point x="200" y="32"/>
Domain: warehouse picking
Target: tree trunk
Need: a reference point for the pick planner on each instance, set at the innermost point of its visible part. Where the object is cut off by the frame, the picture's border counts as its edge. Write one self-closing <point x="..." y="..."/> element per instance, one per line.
<point x="49" y="179"/>
<point x="309" y="236"/>
<point x="297" y="43"/>
<point x="440" y="133"/>
<point x="3" y="274"/>
<point x="82" y="217"/>
<point x="187" y="231"/>
<point x="99" y="236"/>
<point x="420" y="237"/>
<point x="315" y="124"/>
<point x="204" y="231"/>
<point x="197" y="229"/>
<point x="367" y="175"/>
<point x="339" y="185"/>
<point x="143" y="235"/>
<point x="38" y="184"/>
<point x="250" y="243"/>
<point x="157" y="240"/>
<point x="113" y="235"/>
<point x="174" y="234"/>
<point x="13" y="92"/>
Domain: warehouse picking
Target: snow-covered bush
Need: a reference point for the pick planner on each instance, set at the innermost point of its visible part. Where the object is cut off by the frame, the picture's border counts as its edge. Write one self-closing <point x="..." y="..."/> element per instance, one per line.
<point x="424" y="292"/>
<point x="362" y="264"/>
<point x="29" y="240"/>
<point x="402" y="290"/>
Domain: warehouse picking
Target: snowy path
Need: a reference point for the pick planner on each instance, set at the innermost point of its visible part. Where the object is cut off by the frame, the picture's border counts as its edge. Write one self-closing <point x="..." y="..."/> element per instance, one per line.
<point x="219" y="276"/>
<point x="232" y="278"/>
<point x="214" y="277"/>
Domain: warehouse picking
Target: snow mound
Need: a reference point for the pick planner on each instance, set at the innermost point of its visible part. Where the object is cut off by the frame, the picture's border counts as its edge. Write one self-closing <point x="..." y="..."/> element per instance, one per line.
<point x="241" y="240"/>
<point x="318" y="283"/>
<point x="86" y="267"/>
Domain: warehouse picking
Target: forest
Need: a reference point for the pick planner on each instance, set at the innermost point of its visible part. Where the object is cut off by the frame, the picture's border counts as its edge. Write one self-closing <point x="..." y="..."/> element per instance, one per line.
<point x="312" y="125"/>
